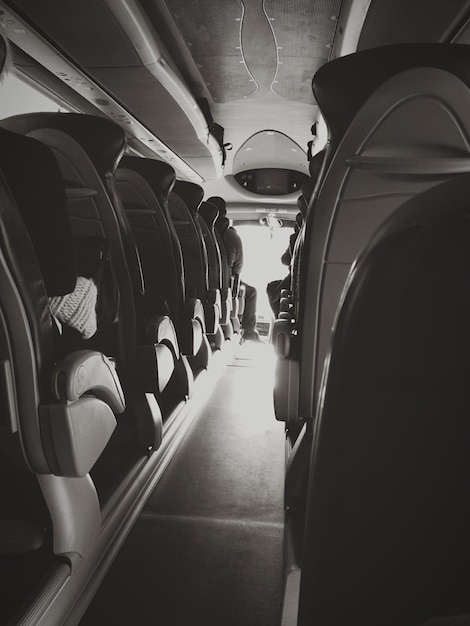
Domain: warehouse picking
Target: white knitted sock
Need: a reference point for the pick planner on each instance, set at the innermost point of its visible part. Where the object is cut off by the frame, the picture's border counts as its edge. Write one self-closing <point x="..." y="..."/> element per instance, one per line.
<point x="77" y="309"/>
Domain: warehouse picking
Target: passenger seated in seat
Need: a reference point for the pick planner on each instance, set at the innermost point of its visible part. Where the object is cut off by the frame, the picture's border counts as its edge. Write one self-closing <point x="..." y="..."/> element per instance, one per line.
<point x="234" y="246"/>
<point x="274" y="288"/>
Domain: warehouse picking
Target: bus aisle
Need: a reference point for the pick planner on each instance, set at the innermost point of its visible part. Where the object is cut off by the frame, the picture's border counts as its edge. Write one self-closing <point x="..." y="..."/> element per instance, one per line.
<point x="207" y="548"/>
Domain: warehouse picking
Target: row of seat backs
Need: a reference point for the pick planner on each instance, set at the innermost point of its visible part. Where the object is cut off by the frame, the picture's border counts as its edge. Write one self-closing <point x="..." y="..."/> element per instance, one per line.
<point x="134" y="327"/>
<point x="59" y="408"/>
<point x="187" y="234"/>
<point x="404" y="130"/>
<point x="233" y="293"/>
<point x="38" y="220"/>
<point x="386" y="531"/>
<point x="234" y="302"/>
<point x="144" y="187"/>
<point x="93" y="233"/>
<point x="184" y="204"/>
<point x="199" y="253"/>
<point x="386" y="537"/>
<point x="220" y="274"/>
<point x="90" y="234"/>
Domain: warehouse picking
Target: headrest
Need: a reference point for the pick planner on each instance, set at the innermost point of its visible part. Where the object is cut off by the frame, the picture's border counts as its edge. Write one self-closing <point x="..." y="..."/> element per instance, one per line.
<point x="104" y="141"/>
<point x="209" y="213"/>
<point x="219" y="203"/>
<point x="342" y="86"/>
<point x="222" y="223"/>
<point x="35" y="181"/>
<point x="160" y="176"/>
<point x="190" y="193"/>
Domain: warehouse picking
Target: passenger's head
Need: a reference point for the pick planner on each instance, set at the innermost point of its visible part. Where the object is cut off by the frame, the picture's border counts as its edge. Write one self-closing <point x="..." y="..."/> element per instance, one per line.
<point x="219" y="203"/>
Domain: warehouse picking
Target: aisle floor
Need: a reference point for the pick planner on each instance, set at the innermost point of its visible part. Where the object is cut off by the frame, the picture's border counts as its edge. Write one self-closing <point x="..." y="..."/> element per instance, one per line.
<point x="207" y="548"/>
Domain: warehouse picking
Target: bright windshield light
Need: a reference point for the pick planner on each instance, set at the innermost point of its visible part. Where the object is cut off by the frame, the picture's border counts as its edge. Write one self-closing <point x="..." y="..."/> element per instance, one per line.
<point x="262" y="251"/>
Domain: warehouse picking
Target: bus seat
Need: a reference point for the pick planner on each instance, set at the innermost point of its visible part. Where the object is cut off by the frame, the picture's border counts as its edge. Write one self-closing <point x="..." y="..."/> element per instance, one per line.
<point x="192" y="195"/>
<point x="56" y="426"/>
<point x="342" y="86"/>
<point x="217" y="278"/>
<point x="138" y="182"/>
<point x="184" y="204"/>
<point x="206" y="217"/>
<point x="386" y="531"/>
<point x="157" y="178"/>
<point x="238" y="304"/>
<point x="410" y="134"/>
<point x="144" y="186"/>
<point x="351" y="200"/>
<point x="285" y="330"/>
<point x="195" y="272"/>
<point x="88" y="149"/>
<point x="226" y="277"/>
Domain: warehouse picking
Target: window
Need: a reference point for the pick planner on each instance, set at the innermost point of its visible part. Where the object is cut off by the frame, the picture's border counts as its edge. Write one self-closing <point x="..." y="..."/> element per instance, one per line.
<point x="17" y="96"/>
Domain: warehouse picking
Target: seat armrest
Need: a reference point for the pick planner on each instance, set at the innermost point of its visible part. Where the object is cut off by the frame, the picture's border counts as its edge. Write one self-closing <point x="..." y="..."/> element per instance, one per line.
<point x="75" y="434"/>
<point x="189" y="334"/>
<point x="213" y="297"/>
<point x="212" y="317"/>
<point x="194" y="309"/>
<point x="160" y="329"/>
<point x="88" y="371"/>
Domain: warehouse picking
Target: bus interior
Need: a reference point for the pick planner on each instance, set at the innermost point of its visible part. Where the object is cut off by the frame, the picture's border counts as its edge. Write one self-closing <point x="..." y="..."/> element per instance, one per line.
<point x="163" y="462"/>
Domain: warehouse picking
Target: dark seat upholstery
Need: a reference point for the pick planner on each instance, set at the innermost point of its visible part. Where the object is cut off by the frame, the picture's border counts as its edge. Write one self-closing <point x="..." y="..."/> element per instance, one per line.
<point x="218" y="274"/>
<point x="194" y="256"/>
<point x="342" y="86"/>
<point x="226" y="278"/>
<point x="148" y="216"/>
<point x="389" y="114"/>
<point x="238" y="299"/>
<point x="144" y="186"/>
<point x="388" y="512"/>
<point x="411" y="133"/>
<point x="25" y="519"/>
<point x="58" y="409"/>
<point x="416" y="120"/>
<point x="56" y="265"/>
<point x="184" y="203"/>
<point x="139" y="336"/>
<point x="208" y="214"/>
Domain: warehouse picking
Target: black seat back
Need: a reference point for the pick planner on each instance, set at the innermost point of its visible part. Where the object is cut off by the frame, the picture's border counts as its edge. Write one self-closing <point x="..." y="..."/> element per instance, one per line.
<point x="39" y="253"/>
<point x="407" y="132"/>
<point x="144" y="186"/>
<point x="190" y="238"/>
<point x="388" y="513"/>
<point x="208" y="214"/>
